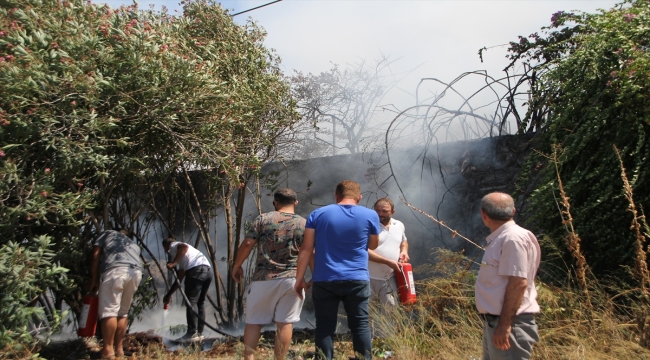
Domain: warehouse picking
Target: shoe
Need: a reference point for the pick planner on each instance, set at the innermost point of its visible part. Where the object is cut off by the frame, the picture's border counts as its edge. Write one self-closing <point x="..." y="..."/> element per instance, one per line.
<point x="187" y="338"/>
<point x="197" y="337"/>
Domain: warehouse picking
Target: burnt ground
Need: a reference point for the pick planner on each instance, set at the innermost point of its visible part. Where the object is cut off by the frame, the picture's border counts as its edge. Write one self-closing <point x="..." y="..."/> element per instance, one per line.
<point x="150" y="346"/>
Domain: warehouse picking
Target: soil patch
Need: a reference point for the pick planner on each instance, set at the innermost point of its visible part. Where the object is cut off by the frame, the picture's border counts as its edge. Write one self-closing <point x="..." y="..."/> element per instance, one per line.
<point x="143" y="345"/>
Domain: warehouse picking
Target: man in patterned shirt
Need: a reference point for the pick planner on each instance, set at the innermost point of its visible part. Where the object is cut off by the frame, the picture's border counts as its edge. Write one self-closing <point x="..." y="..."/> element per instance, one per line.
<point x="271" y="297"/>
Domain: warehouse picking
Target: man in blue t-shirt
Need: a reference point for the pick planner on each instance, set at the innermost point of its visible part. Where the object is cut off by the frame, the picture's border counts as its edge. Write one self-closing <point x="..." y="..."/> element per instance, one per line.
<point x="341" y="235"/>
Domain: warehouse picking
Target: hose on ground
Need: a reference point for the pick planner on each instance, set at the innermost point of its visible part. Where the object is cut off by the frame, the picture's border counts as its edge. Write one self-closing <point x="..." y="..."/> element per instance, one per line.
<point x="189" y="306"/>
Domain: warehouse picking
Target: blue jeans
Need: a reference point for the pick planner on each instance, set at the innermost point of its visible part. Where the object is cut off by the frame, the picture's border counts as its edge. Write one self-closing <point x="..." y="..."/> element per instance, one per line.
<point x="197" y="283"/>
<point x="327" y="295"/>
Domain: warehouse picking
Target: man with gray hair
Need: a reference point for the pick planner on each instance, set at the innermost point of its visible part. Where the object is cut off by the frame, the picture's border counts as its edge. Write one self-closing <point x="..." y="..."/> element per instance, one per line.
<point x="505" y="289"/>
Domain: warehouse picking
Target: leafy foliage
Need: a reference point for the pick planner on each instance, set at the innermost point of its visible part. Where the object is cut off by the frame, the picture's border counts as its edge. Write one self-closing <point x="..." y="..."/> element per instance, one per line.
<point x="101" y="107"/>
<point x="594" y="81"/>
<point x="143" y="299"/>
<point x="26" y="272"/>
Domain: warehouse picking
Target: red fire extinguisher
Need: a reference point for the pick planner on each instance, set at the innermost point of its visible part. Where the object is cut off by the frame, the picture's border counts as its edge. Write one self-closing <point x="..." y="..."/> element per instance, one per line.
<point x="406" y="285"/>
<point x="88" y="317"/>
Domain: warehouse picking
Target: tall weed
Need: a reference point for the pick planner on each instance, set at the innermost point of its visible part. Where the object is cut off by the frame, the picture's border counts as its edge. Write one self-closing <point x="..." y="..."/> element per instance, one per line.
<point x="444" y="324"/>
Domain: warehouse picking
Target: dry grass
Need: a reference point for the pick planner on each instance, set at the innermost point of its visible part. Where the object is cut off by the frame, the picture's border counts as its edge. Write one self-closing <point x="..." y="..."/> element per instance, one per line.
<point x="641" y="260"/>
<point x="445" y="325"/>
<point x="573" y="240"/>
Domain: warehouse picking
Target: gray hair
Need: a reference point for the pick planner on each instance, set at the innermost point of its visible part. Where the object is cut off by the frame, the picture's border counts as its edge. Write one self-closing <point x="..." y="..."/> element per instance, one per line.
<point x="498" y="206"/>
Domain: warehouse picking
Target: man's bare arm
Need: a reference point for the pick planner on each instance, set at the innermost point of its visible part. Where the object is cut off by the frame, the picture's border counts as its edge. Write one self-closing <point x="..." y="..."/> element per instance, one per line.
<point x="94" y="269"/>
<point x="373" y="256"/>
<point x="181" y="275"/>
<point x="511" y="301"/>
<point x="244" y="250"/>
<point x="373" y="242"/>
<point x="181" y="250"/>
<point x="404" y="251"/>
<point x="304" y="258"/>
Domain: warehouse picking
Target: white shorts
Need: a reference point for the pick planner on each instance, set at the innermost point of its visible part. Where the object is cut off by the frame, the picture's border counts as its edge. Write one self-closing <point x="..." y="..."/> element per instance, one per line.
<point x="116" y="291"/>
<point x="273" y="300"/>
<point x="385" y="291"/>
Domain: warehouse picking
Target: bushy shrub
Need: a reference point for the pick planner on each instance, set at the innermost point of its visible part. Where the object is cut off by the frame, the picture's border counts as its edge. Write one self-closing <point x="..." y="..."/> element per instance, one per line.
<point x="593" y="80"/>
<point x="25" y="273"/>
<point x="100" y="107"/>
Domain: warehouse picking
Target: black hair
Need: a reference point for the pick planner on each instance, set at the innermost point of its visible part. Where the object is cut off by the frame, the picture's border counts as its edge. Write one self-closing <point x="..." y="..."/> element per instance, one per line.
<point x="285" y="196"/>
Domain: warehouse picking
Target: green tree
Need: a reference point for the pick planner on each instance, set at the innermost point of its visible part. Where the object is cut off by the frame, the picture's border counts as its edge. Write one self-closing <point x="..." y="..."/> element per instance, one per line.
<point x="105" y="113"/>
<point x="592" y="80"/>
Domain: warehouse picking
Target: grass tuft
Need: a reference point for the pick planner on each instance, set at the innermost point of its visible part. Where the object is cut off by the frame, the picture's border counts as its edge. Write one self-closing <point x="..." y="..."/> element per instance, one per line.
<point x="444" y="323"/>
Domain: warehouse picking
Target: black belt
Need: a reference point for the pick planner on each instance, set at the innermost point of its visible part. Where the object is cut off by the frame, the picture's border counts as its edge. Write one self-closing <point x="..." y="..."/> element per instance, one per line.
<point x="490" y="317"/>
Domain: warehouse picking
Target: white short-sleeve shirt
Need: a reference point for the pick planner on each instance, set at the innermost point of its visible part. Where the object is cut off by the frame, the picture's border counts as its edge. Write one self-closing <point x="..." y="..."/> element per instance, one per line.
<point x="192" y="258"/>
<point x="510" y="251"/>
<point x="390" y="239"/>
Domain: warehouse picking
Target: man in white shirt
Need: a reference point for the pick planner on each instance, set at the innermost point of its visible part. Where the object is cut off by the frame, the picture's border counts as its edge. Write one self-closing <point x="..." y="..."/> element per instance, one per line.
<point x="386" y="259"/>
<point x="194" y="266"/>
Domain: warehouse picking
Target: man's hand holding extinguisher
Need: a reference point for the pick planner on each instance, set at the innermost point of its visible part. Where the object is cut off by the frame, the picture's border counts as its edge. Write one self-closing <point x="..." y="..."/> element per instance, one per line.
<point x="94" y="270"/>
<point x="403" y="254"/>
<point x="396" y="265"/>
<point x="94" y="287"/>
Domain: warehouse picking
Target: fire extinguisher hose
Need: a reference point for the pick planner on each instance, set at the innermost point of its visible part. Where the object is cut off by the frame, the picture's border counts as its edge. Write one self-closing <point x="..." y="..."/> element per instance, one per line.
<point x="406" y="283"/>
<point x="189" y="306"/>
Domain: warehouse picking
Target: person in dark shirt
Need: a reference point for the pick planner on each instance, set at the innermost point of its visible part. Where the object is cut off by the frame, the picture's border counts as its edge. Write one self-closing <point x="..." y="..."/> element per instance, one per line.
<point x="117" y="258"/>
